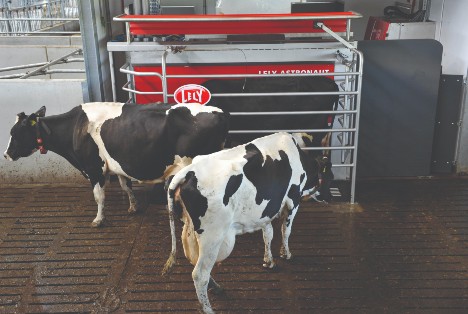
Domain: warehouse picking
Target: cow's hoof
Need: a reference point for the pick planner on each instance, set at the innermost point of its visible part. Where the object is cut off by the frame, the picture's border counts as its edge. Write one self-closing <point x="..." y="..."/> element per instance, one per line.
<point x="205" y="311"/>
<point x="270" y="265"/>
<point x="215" y="288"/>
<point x="286" y="256"/>
<point x="97" y="223"/>
<point x="132" y="210"/>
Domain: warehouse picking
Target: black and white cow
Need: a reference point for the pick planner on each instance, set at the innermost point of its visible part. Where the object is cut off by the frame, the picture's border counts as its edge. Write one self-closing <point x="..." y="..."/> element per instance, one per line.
<point x="276" y="103"/>
<point x="146" y="143"/>
<point x="241" y="190"/>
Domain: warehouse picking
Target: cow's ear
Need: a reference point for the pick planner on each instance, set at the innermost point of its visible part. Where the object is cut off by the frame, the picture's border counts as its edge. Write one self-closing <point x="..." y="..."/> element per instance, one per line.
<point x="21" y="116"/>
<point x="31" y="119"/>
<point x="41" y="112"/>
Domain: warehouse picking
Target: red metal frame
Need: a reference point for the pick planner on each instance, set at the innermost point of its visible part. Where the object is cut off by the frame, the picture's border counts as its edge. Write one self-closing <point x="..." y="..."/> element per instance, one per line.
<point x="236" y="23"/>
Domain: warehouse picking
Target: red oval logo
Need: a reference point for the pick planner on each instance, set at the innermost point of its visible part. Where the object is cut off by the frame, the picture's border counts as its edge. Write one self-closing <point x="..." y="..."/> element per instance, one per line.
<point x="191" y="93"/>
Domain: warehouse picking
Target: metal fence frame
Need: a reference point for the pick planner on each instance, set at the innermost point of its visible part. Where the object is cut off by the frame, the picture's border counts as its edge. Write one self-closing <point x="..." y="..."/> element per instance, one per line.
<point x="350" y="94"/>
<point x="35" y="17"/>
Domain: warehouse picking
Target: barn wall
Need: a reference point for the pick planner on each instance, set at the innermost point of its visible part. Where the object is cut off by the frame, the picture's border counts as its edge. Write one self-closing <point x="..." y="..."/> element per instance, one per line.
<point x="451" y="32"/>
<point x="28" y="96"/>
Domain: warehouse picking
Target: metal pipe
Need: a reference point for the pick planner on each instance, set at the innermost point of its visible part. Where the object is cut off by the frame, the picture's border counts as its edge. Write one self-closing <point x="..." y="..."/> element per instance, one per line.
<point x="125" y="88"/>
<point x="334" y="35"/>
<point x="262" y="75"/>
<point x="33" y="65"/>
<point x="356" y="134"/>
<point x="51" y="63"/>
<point x="40" y="19"/>
<point x="38" y="32"/>
<point x="293" y="131"/>
<point x="112" y="75"/>
<point x="290" y="112"/>
<point x="136" y="7"/>
<point x="348" y="30"/>
<point x="164" y="74"/>
<point x="345" y="74"/>
<point x="284" y="94"/>
<point x="44" y="72"/>
<point x="227" y="18"/>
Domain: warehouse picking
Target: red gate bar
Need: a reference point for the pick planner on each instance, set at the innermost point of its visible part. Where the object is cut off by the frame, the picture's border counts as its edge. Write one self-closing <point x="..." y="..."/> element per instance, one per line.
<point x="236" y="23"/>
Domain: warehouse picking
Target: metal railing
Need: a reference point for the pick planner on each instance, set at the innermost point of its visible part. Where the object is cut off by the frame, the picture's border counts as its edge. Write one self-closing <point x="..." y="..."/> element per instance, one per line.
<point x="31" y="17"/>
<point x="348" y="77"/>
<point x="43" y="67"/>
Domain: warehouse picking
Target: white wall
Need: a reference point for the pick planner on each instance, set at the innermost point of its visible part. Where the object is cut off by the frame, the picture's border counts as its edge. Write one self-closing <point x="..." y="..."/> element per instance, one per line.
<point x="28" y="96"/>
<point x="451" y="18"/>
<point x="253" y="6"/>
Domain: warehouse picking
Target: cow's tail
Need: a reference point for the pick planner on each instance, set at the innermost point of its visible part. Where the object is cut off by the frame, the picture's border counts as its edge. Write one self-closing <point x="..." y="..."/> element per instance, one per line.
<point x="171" y="192"/>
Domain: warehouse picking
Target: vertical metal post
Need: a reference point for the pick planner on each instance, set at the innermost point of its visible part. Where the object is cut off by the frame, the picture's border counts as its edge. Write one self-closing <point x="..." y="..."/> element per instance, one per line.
<point x="357" y="116"/>
<point x="164" y="78"/>
<point x="112" y="74"/>
<point x="95" y="38"/>
<point x="348" y="30"/>
<point x="62" y="8"/>
<point x="145" y="7"/>
<point x="49" y="13"/>
<point x="131" y="79"/>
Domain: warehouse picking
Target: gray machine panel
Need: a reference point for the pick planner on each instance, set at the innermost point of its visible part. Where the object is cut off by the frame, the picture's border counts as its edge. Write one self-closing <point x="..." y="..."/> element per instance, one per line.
<point x="447" y="123"/>
<point x="398" y="108"/>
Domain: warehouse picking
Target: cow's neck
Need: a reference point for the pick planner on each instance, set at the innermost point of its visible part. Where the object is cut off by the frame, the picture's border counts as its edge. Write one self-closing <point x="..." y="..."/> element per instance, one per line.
<point x="59" y="136"/>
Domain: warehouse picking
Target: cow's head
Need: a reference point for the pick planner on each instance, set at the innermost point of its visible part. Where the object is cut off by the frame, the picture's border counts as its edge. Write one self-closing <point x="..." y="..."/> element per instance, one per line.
<point x="23" y="140"/>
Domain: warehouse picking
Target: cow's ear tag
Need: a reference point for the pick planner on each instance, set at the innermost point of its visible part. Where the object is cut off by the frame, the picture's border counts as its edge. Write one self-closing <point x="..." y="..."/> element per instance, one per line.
<point x="33" y="122"/>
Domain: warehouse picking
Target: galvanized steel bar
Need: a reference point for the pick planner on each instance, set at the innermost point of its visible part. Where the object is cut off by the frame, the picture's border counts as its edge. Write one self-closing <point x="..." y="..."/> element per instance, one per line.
<point x="33" y="65"/>
<point x="227" y="18"/>
<point x="269" y="113"/>
<point x="112" y="75"/>
<point x="356" y="123"/>
<point x="164" y="75"/>
<point x="51" y="63"/>
<point x="334" y="35"/>
<point x="293" y="131"/>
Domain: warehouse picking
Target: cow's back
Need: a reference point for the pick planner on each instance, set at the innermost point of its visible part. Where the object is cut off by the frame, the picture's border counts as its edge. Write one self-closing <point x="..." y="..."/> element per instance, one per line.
<point x="140" y="141"/>
<point x="248" y="183"/>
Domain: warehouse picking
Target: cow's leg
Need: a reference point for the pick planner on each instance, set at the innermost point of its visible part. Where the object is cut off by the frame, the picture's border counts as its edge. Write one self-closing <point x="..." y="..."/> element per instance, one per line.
<point x="126" y="185"/>
<point x="225" y="249"/>
<point x="201" y="273"/>
<point x="215" y="287"/>
<point x="267" y="237"/>
<point x="286" y="231"/>
<point x="99" y="196"/>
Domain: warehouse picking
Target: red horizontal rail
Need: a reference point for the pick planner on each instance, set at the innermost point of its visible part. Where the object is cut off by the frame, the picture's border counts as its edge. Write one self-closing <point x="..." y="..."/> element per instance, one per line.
<point x="236" y="23"/>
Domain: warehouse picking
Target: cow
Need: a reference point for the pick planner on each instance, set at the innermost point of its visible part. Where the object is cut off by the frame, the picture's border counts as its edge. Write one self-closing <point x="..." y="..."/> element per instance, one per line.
<point x="145" y="143"/>
<point x="233" y="192"/>
<point x="276" y="103"/>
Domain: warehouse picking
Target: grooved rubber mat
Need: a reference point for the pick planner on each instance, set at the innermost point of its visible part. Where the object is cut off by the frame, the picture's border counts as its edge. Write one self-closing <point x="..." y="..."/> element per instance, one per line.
<point x="404" y="249"/>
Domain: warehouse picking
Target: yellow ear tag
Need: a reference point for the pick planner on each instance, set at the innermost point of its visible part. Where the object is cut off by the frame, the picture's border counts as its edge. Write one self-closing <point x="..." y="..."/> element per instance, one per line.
<point x="33" y="122"/>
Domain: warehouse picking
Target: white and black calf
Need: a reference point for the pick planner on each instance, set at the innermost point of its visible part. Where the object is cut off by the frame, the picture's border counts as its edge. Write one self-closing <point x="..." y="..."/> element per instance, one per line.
<point x="145" y="143"/>
<point x="235" y="191"/>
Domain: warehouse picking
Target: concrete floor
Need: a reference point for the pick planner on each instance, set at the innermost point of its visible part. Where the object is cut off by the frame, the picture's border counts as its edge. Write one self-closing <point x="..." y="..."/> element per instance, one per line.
<point x="402" y="249"/>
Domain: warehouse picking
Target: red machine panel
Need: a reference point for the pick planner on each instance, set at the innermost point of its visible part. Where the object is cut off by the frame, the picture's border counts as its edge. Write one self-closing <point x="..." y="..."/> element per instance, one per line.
<point x="235" y="23"/>
<point x="377" y="29"/>
<point x="153" y="84"/>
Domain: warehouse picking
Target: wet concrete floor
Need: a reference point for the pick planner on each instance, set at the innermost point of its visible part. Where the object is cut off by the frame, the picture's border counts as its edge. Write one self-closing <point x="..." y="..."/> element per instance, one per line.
<point x="402" y="249"/>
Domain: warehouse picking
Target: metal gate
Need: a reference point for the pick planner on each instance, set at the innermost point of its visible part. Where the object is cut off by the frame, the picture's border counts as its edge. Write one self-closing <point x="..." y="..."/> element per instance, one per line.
<point x="322" y="41"/>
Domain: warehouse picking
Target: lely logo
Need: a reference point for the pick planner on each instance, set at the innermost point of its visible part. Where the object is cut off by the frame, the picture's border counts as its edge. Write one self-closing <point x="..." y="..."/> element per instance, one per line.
<point x="192" y="93"/>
